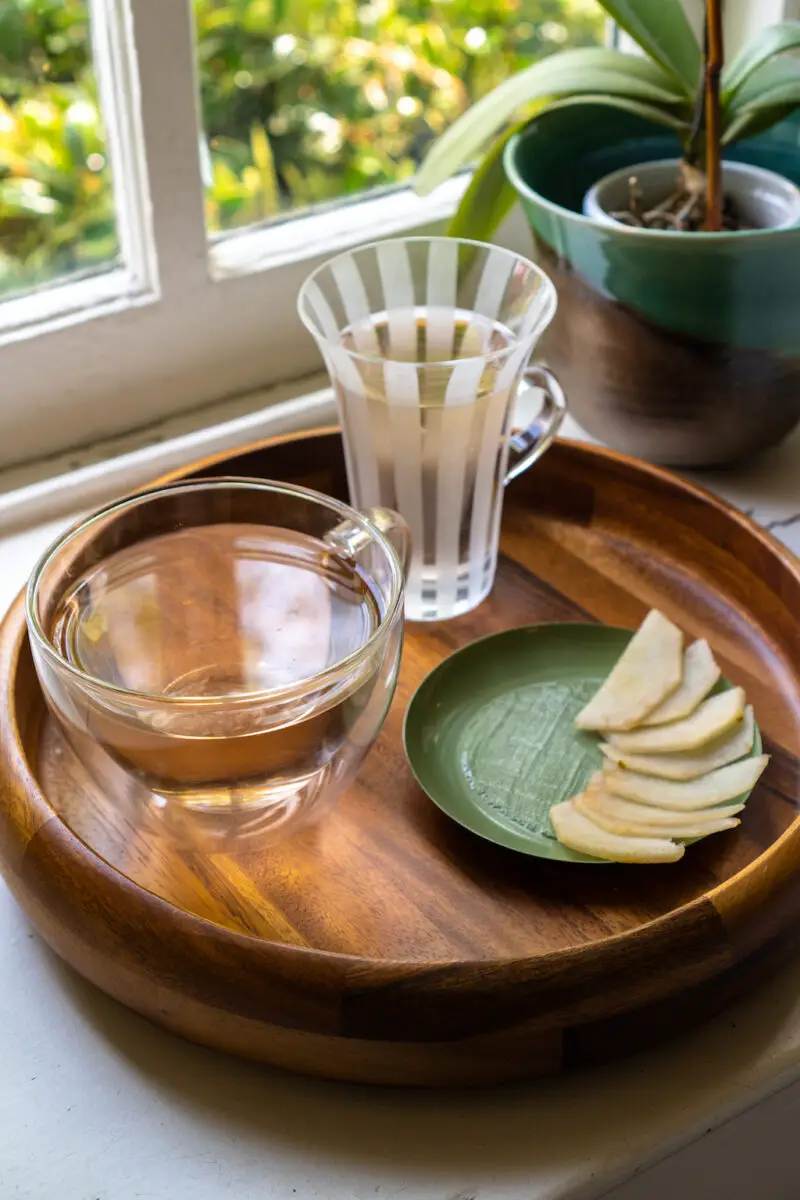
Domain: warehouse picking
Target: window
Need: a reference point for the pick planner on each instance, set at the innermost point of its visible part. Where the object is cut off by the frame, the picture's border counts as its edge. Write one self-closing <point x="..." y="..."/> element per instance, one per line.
<point x="170" y="171"/>
<point x="56" y="207"/>
<point x="310" y="103"/>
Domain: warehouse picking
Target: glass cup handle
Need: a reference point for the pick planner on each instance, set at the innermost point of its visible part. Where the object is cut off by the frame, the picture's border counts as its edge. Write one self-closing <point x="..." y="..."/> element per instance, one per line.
<point x="351" y="538"/>
<point x="531" y="443"/>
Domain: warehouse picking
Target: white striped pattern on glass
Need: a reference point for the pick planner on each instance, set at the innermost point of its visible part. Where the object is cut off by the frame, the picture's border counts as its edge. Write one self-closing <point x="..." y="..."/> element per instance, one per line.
<point x="425" y="340"/>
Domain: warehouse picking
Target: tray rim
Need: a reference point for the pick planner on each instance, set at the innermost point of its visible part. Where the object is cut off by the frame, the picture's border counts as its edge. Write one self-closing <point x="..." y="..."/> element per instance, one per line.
<point x="15" y="770"/>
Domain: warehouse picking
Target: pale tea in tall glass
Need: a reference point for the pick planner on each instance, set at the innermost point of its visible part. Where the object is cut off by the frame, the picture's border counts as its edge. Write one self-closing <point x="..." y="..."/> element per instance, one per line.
<point x="426" y="341"/>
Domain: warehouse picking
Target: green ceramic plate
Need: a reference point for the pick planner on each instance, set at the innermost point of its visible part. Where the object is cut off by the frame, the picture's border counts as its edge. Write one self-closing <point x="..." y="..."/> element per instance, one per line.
<point x="489" y="733"/>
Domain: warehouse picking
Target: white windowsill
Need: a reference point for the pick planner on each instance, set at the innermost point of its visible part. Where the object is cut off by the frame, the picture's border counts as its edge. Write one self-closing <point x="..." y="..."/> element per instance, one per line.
<point x="767" y="489"/>
<point x="89" y="477"/>
<point x="299" y="238"/>
<point x="71" y="301"/>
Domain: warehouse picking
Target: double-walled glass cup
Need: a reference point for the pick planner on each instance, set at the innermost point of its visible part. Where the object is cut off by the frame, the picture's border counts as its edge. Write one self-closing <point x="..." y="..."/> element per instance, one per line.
<point x="231" y="643"/>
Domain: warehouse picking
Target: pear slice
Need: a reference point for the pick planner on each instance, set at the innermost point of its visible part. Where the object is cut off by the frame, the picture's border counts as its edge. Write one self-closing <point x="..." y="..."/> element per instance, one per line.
<point x="640" y="820"/>
<point x="711" y="720"/>
<point x="689" y="766"/>
<point x="691" y="795"/>
<point x="649" y="669"/>
<point x="680" y="829"/>
<point x="575" y="830"/>
<point x="700" y="673"/>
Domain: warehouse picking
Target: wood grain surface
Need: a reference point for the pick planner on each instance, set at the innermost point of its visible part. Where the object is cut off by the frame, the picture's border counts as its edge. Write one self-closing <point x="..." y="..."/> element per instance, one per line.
<point x="383" y="943"/>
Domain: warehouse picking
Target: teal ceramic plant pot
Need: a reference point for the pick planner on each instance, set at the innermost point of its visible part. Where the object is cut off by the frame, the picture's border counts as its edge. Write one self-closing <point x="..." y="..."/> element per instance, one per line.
<point x="681" y="348"/>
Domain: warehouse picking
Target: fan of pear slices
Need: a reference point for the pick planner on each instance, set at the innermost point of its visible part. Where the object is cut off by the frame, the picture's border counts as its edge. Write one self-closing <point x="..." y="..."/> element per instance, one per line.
<point x="674" y="755"/>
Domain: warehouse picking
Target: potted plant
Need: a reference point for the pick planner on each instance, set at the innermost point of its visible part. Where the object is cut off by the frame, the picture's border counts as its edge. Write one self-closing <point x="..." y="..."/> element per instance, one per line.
<point x="678" y="332"/>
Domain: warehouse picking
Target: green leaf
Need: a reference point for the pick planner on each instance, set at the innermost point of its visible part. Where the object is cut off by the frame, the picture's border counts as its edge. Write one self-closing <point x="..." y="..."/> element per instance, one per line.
<point x="662" y="30"/>
<point x="749" y="124"/>
<point x="762" y="114"/>
<point x="26" y="200"/>
<point x="489" y="197"/>
<point x="265" y="164"/>
<point x="650" y="112"/>
<point x="573" y="72"/>
<point x="776" y="39"/>
<point x="768" y="78"/>
<point x="769" y="95"/>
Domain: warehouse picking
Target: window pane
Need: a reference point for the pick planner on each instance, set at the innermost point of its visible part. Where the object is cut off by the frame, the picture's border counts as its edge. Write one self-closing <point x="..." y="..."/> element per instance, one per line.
<point x="309" y="101"/>
<point x="56" y="204"/>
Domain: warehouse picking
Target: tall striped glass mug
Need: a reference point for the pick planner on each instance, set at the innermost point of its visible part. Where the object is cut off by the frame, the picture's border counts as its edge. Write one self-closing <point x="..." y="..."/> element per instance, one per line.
<point x="426" y="341"/>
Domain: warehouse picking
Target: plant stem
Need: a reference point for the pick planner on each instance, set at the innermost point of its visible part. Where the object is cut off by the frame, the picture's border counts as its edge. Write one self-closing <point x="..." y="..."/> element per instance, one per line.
<point x="692" y="144"/>
<point x="713" y="70"/>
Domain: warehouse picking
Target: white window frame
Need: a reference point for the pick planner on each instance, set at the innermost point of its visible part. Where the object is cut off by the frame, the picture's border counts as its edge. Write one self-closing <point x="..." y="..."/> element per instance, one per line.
<point x="187" y="320"/>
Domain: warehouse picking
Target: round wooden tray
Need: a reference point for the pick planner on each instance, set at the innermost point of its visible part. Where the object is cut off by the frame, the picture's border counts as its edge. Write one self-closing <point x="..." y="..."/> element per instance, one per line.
<point x="385" y="943"/>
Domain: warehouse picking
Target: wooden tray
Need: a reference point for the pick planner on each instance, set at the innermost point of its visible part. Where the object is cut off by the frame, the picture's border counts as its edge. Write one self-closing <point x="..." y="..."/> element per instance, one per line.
<point x="386" y="944"/>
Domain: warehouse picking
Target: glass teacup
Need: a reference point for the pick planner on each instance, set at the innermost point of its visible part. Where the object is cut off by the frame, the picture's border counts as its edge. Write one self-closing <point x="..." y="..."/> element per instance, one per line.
<point x="426" y="341"/>
<point x="231" y="643"/>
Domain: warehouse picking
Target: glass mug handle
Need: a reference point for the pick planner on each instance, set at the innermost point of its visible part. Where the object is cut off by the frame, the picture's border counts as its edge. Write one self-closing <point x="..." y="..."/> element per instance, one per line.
<point x="350" y="538"/>
<point x="531" y="443"/>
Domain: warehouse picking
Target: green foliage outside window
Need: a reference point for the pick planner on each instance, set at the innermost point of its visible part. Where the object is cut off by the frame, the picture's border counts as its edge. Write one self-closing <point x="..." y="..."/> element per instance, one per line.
<point x="303" y="102"/>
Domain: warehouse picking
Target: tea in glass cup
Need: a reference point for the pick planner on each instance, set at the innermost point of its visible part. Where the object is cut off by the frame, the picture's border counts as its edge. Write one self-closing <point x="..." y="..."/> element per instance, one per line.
<point x="426" y="341"/>
<point x="228" y="642"/>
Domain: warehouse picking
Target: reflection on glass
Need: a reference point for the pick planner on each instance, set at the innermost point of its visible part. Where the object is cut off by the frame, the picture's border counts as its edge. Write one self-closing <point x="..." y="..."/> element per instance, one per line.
<point x="307" y="101"/>
<point x="56" y="203"/>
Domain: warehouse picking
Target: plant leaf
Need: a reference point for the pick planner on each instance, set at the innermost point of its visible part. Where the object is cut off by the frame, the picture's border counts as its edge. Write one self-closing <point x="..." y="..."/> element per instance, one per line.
<point x="265" y="164"/>
<point x="769" y="95"/>
<point x="663" y="31"/>
<point x="776" y="39"/>
<point x="769" y="76"/>
<point x="758" y="117"/>
<point x="747" y="125"/>
<point x="651" y="112"/>
<point x="573" y="72"/>
<point x="489" y="197"/>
